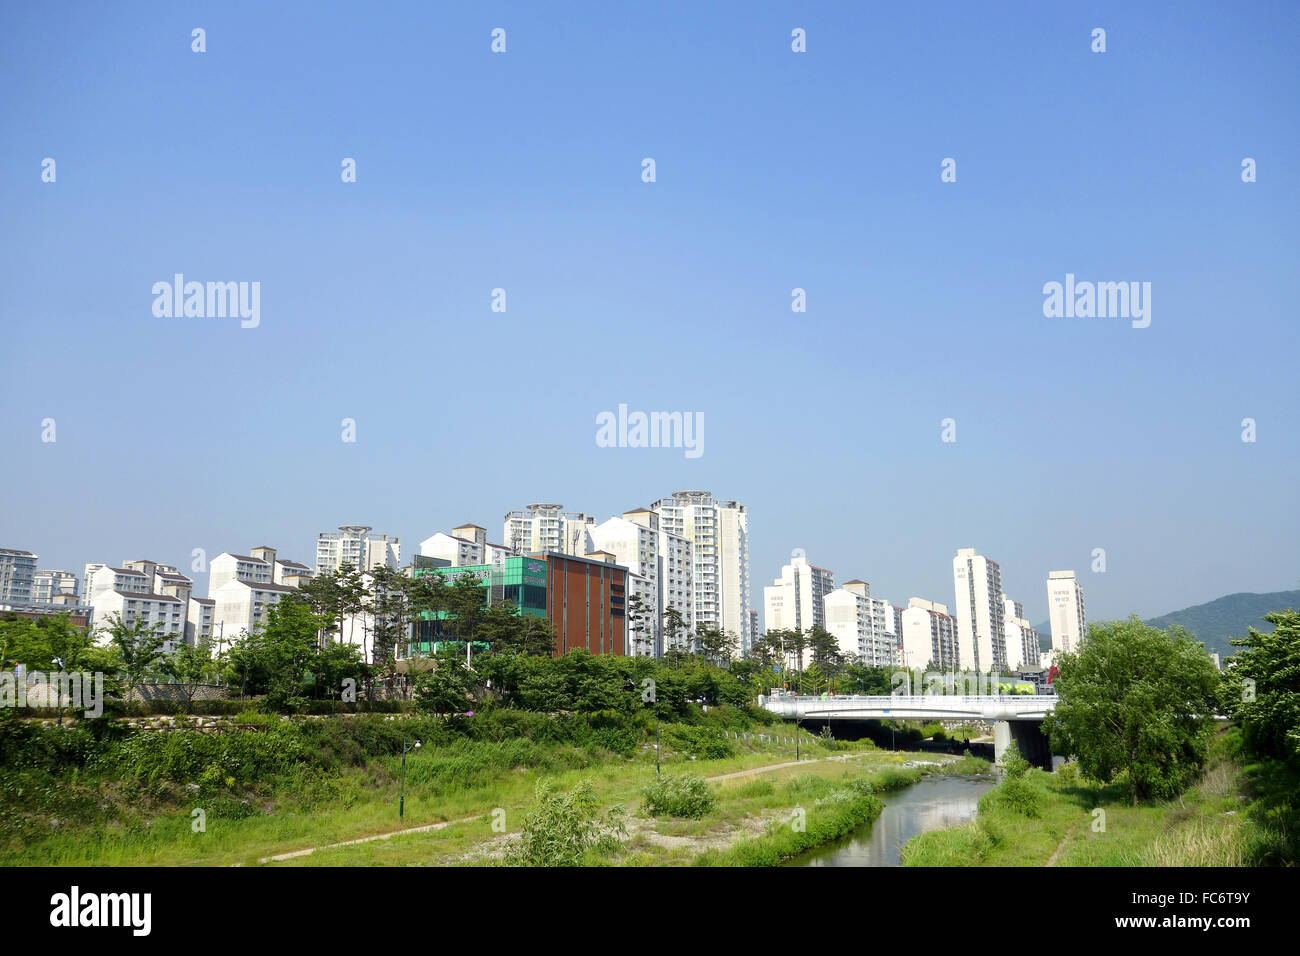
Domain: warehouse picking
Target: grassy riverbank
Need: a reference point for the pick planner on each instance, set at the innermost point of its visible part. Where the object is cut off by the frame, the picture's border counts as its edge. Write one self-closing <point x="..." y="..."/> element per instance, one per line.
<point x="108" y="795"/>
<point x="755" y="807"/>
<point x="1237" y="814"/>
<point x="823" y="811"/>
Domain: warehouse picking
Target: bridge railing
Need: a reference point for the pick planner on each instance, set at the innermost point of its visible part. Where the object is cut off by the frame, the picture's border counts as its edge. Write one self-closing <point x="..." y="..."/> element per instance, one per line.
<point x="1028" y="699"/>
<point x="942" y="706"/>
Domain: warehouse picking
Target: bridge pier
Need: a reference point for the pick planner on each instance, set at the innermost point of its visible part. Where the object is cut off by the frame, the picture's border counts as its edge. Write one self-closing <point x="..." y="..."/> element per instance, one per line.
<point x="1001" y="739"/>
<point x="1029" y="739"/>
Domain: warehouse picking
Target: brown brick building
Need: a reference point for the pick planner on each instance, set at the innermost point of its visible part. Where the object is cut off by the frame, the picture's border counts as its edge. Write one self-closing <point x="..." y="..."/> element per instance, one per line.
<point x="586" y="601"/>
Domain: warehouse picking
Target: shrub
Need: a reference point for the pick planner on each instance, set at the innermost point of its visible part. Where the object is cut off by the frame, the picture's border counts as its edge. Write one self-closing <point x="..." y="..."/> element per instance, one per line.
<point x="621" y="742"/>
<point x="696" y="742"/>
<point x="1013" y="764"/>
<point x="680" y="795"/>
<point x="1016" y="795"/>
<point x="234" y="759"/>
<point x="563" y="827"/>
<point x="27" y="745"/>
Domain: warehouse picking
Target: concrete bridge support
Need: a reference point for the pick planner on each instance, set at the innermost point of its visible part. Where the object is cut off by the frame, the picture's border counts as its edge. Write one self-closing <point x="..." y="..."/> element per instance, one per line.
<point x="1029" y="738"/>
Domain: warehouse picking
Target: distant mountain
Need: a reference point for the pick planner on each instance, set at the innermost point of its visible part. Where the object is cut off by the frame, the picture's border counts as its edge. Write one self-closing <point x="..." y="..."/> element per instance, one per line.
<point x="1215" y="623"/>
<point x="1231" y="616"/>
<point x="1044" y="636"/>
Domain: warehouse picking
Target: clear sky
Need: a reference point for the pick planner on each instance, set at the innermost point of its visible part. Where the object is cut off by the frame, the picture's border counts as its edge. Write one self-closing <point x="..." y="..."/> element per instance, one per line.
<point x="775" y="170"/>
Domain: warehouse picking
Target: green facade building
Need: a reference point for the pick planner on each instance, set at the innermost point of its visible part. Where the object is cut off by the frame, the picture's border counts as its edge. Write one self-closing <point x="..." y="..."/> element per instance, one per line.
<point x="522" y="581"/>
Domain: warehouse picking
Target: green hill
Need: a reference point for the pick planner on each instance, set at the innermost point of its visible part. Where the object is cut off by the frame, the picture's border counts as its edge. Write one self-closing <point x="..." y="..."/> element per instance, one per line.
<point x="1044" y="636"/>
<point x="1216" y="622"/>
<point x="1227" y="617"/>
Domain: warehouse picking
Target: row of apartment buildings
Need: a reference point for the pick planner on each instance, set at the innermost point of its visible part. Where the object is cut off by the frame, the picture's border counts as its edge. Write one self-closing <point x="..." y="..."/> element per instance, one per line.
<point x="985" y="631"/>
<point x="240" y="587"/>
<point x="684" y="560"/>
<point x="639" y="583"/>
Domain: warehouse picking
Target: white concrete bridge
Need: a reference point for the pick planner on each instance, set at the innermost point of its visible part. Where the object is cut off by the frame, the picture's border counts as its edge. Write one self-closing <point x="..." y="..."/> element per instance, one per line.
<point x="1014" y="716"/>
<point x="925" y="707"/>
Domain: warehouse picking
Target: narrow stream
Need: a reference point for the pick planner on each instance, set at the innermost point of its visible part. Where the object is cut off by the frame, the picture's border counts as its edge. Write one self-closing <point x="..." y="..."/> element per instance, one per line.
<point x="936" y="802"/>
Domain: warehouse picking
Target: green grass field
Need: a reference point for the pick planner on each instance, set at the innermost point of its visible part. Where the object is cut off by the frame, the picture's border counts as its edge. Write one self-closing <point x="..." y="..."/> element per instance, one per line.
<point x="1084" y="824"/>
<point x="81" y="812"/>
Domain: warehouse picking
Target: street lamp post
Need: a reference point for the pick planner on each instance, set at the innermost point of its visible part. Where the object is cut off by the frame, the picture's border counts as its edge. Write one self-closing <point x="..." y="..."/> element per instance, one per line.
<point x="58" y="661"/>
<point x="401" y="804"/>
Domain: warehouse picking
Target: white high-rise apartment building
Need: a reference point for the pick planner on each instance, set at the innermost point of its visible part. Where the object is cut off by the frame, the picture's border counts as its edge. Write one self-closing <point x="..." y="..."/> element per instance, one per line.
<point x="1065" y="611"/>
<point x="141" y="591"/>
<point x="718" y="530"/>
<point x="1021" y="638"/>
<point x="101" y="578"/>
<point x="467" y="545"/>
<point x="637" y="549"/>
<point x="46" y="585"/>
<point x="676" y="573"/>
<point x="796" y="600"/>
<point x="929" y="636"/>
<point x="981" y="633"/>
<point x="452" y="550"/>
<point x="358" y="546"/>
<point x="17" y="571"/>
<point x="864" y="626"/>
<point x="240" y="608"/>
<point x="198" y="623"/>
<point x="167" y="612"/>
<point x="660" y="565"/>
<point x="547" y="527"/>
<point x="261" y="566"/>
<point x="241" y="587"/>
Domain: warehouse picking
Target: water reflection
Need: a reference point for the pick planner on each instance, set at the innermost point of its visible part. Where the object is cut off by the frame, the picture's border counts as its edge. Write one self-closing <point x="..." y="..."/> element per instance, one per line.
<point x="936" y="802"/>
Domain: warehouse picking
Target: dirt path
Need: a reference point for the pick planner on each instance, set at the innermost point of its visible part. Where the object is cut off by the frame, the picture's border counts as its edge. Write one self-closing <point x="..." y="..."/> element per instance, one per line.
<point x="778" y="766"/>
<point x="1051" y="860"/>
<point x="378" y="836"/>
<point x="840" y="757"/>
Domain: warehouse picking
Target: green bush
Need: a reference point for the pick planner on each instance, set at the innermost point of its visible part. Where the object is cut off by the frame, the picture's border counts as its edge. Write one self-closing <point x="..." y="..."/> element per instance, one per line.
<point x="1014" y="765"/>
<point x="28" y="745"/>
<point x="679" y="795"/>
<point x="563" y="827"/>
<point x="1015" y="794"/>
<point x="235" y="758"/>
<point x="700" y="742"/>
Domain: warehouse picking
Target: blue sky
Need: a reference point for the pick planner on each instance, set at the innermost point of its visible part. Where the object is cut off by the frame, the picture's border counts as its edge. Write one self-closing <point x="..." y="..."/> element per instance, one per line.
<point x="775" y="170"/>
